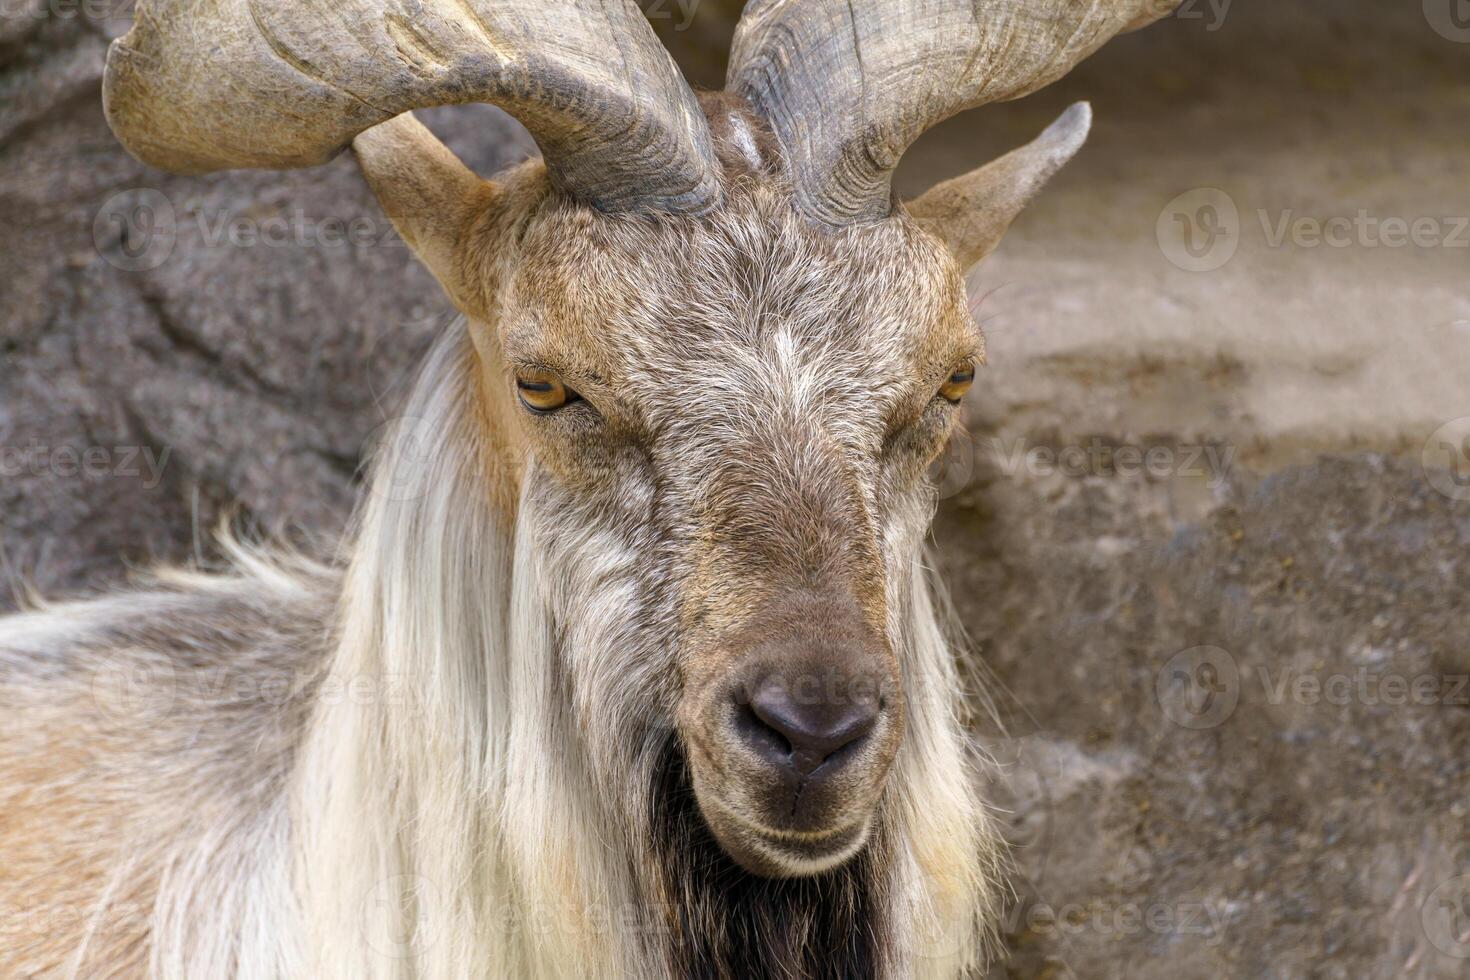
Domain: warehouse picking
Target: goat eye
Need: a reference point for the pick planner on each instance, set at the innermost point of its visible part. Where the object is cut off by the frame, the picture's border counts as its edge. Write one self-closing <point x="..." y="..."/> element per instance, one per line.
<point x="543" y="392"/>
<point x="958" y="383"/>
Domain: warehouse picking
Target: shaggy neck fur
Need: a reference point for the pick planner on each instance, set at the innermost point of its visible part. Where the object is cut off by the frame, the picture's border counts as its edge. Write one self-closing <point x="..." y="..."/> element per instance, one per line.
<point x="490" y="804"/>
<point x="723" y="922"/>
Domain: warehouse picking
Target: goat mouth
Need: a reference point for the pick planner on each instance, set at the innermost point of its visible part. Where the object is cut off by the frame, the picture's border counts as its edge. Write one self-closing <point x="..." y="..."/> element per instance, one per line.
<point x="773" y="853"/>
<point x="749" y="843"/>
<point x="785" y="857"/>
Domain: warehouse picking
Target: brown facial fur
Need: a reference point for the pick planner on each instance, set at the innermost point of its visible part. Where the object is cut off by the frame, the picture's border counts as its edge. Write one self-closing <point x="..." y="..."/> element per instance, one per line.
<point x="759" y="397"/>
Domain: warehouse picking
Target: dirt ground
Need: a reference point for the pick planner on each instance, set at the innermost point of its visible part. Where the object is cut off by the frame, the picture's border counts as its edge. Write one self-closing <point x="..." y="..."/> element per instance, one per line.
<point x="1206" y="530"/>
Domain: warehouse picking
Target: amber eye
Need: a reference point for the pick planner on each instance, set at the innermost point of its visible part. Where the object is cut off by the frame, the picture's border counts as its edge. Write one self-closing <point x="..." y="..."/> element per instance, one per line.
<point x="542" y="391"/>
<point x="959" y="382"/>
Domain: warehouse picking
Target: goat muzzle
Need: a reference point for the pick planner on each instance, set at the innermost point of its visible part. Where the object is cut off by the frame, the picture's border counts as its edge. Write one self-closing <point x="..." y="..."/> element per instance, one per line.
<point x="791" y="747"/>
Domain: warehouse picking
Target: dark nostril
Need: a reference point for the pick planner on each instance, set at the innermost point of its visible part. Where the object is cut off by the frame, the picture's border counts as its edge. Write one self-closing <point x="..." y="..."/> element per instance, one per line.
<point x="802" y="734"/>
<point x="768" y="742"/>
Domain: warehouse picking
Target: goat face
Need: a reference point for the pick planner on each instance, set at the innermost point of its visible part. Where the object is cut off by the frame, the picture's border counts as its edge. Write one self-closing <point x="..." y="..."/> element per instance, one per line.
<point x="729" y="420"/>
<point x="712" y="432"/>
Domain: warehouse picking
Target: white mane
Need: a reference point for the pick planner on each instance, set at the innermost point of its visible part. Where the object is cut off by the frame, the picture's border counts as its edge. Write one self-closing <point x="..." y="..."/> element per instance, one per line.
<point x="455" y="805"/>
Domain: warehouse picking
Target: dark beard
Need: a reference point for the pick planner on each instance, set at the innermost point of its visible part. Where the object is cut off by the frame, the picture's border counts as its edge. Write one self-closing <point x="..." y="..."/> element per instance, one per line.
<point x="722" y="922"/>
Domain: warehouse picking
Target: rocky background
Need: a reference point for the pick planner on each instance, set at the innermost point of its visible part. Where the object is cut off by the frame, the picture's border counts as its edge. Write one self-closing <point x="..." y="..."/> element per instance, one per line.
<point x="1207" y="529"/>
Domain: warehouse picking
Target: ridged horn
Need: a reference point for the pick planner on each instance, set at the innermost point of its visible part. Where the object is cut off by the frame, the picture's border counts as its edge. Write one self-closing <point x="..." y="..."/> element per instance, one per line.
<point x="201" y="85"/>
<point x="848" y="85"/>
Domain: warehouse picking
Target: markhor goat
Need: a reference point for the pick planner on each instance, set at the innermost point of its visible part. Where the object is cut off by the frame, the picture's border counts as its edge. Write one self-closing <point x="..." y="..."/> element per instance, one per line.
<point x="632" y="669"/>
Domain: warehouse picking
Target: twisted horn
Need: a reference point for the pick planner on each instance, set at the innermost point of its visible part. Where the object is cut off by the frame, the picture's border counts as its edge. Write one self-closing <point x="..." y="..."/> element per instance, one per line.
<point x="848" y="85"/>
<point x="200" y="85"/>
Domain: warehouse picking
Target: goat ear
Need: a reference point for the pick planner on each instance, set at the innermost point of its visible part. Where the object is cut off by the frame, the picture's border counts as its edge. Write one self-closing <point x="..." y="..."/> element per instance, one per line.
<point x="970" y="213"/>
<point x="431" y="197"/>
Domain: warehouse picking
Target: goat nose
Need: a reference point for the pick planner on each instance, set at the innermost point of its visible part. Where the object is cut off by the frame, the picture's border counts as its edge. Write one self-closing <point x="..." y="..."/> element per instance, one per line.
<point x="802" y="733"/>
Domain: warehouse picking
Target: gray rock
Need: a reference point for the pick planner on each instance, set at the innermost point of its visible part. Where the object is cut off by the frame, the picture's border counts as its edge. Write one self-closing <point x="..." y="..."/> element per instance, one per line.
<point x="177" y="350"/>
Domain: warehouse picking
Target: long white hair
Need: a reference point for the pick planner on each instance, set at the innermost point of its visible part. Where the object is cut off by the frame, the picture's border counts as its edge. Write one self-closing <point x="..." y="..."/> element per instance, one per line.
<point x="463" y="818"/>
<point x="477" y="773"/>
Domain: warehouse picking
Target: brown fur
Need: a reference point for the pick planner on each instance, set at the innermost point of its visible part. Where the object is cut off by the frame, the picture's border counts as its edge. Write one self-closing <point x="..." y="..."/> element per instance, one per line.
<point x="112" y="773"/>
